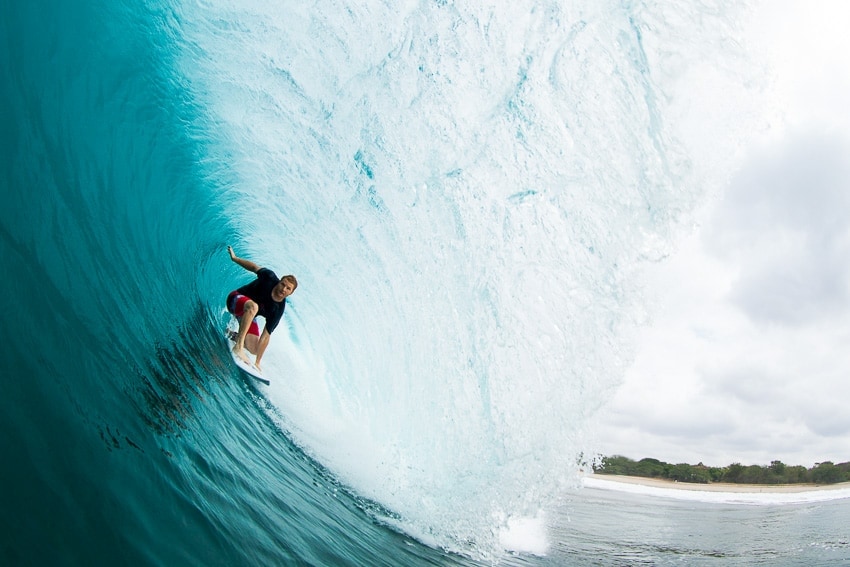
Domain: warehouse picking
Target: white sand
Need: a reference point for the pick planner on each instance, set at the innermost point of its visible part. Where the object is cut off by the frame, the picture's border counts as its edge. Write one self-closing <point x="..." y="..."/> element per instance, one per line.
<point x="720" y="486"/>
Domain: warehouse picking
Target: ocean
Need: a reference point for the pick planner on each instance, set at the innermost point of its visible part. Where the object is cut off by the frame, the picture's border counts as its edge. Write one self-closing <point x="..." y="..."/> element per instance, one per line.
<point x="468" y="195"/>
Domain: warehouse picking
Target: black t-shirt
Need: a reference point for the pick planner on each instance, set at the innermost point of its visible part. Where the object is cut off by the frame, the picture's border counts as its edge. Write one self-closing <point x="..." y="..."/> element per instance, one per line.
<point x="260" y="291"/>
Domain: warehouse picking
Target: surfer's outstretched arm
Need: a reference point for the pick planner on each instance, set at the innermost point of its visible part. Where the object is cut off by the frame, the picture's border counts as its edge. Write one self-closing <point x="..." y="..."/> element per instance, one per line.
<point x="247" y="264"/>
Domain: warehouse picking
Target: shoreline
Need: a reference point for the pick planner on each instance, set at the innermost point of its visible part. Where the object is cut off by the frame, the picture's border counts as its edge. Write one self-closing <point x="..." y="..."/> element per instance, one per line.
<point x="718" y="486"/>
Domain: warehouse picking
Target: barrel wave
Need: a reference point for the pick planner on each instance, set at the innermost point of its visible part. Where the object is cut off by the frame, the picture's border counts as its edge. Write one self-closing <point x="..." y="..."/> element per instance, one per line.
<point x="467" y="196"/>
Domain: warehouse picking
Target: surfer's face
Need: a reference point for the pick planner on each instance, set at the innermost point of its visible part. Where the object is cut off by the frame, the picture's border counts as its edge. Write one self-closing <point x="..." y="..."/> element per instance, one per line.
<point x="282" y="290"/>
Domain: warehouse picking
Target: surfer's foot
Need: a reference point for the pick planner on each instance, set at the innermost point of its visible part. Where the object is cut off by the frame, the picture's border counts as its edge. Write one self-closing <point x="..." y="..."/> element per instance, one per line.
<point x="241" y="354"/>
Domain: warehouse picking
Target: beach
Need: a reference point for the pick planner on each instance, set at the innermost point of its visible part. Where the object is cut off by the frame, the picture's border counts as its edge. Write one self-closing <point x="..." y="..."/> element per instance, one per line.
<point x="718" y="486"/>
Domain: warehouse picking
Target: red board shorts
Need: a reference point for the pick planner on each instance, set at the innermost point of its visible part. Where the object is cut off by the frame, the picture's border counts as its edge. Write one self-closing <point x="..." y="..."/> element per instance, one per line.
<point x="236" y="305"/>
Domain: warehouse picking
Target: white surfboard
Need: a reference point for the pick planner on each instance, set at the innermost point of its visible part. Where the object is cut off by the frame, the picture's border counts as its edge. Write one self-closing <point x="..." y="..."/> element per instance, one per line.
<point x="248" y="369"/>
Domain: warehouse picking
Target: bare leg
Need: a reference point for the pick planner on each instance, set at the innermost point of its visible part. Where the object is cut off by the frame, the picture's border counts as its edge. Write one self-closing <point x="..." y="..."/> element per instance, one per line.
<point x="251" y="343"/>
<point x="250" y="311"/>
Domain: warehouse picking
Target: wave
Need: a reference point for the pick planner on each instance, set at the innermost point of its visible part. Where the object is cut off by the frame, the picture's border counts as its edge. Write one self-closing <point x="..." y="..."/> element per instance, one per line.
<point x="467" y="196"/>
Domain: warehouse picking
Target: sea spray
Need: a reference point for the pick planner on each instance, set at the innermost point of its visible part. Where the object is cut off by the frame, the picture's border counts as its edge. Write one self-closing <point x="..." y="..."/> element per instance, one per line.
<point x="467" y="195"/>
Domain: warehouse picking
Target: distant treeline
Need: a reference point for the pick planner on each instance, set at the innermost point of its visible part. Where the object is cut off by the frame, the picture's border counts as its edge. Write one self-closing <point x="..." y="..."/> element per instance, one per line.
<point x="777" y="473"/>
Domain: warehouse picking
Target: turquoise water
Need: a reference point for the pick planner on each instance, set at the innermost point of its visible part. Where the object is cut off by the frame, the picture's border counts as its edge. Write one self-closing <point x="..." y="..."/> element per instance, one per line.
<point x="466" y="196"/>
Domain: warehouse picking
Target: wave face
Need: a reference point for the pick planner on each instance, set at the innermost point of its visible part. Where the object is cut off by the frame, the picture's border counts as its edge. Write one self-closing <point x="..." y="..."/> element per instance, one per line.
<point x="467" y="195"/>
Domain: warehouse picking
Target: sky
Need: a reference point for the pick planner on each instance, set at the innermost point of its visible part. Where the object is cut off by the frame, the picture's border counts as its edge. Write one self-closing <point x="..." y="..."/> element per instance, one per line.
<point x="748" y="357"/>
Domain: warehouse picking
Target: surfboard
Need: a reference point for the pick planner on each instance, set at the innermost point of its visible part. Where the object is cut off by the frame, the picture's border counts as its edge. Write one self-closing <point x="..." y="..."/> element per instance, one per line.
<point x="248" y="369"/>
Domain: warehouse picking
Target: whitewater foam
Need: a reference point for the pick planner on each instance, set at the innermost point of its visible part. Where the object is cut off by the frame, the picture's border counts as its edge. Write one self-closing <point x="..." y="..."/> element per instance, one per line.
<point x="525" y="535"/>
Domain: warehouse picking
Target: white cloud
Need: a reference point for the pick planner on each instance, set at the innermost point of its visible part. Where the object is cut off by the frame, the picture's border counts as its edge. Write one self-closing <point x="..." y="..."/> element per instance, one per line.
<point x="748" y="359"/>
<point x="784" y="222"/>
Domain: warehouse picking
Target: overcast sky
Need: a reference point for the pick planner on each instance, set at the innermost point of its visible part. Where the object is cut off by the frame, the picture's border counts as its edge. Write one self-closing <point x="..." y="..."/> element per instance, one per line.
<point x="749" y="358"/>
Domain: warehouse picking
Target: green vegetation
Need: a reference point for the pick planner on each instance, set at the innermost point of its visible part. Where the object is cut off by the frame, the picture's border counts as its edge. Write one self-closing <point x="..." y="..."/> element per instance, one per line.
<point x="776" y="473"/>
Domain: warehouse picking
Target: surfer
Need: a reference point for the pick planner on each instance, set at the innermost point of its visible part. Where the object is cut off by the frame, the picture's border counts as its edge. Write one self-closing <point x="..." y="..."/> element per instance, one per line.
<point x="266" y="297"/>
